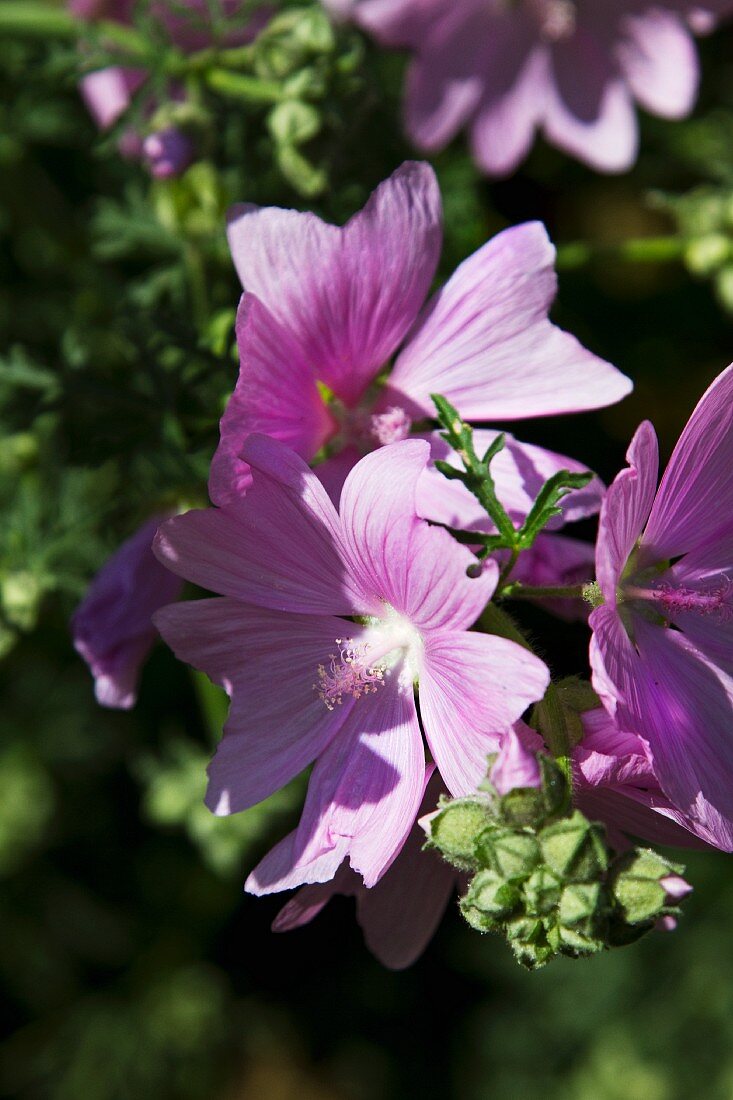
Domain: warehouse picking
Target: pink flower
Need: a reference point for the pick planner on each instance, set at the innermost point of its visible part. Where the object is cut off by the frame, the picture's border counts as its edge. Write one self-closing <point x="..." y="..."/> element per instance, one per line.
<point x="326" y="620"/>
<point x="167" y="152"/>
<point x="398" y="916"/>
<point x="572" y="70"/>
<point x="663" y="640"/>
<point x="326" y="308"/>
<point x="112" y="627"/>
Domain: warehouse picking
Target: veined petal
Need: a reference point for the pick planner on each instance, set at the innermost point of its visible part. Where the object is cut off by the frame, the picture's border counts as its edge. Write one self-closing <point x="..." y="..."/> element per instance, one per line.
<point x="625" y="509"/>
<point x="275" y="395"/>
<point x="485" y="341"/>
<point x="268" y="664"/>
<point x="279" y="547"/>
<point x="418" y="570"/>
<point x="348" y="296"/>
<point x="659" y="60"/>
<point x="694" y="505"/>
<point x="473" y="687"/>
<point x="519" y="471"/>
<point x="362" y="799"/>
<point x="400" y="914"/>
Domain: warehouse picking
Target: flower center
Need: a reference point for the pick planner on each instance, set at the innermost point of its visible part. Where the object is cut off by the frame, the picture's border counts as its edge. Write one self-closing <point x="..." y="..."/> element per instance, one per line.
<point x="360" y="667"/>
<point x="365" y="430"/>
<point x="349" y="672"/>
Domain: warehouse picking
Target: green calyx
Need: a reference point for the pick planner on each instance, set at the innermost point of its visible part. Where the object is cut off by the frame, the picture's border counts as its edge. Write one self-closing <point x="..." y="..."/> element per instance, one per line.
<point x="544" y="876"/>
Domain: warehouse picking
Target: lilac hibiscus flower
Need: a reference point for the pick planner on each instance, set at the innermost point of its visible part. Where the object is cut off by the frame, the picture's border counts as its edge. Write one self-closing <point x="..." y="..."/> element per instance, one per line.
<point x="112" y="627"/>
<point x="326" y="308"/>
<point x="662" y="648"/>
<point x="507" y="68"/>
<point x="325" y="622"/>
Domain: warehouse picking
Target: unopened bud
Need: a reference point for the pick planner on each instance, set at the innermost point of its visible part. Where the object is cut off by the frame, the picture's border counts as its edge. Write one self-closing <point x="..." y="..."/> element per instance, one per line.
<point x="20" y="595"/>
<point x="490" y="900"/>
<point x="582" y="907"/>
<point x="575" y="848"/>
<point x="511" y="853"/>
<point x="455" y="828"/>
<point x="645" y="886"/>
<point x="542" y="892"/>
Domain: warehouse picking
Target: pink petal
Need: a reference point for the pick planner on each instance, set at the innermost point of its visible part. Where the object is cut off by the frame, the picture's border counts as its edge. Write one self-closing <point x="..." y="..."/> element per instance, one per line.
<point x="333" y="471"/>
<point x="515" y="83"/>
<point x="268" y="664"/>
<point x="279" y="547"/>
<point x="108" y="93"/>
<point x="625" y="509"/>
<point x="445" y="80"/>
<point x="520" y="471"/>
<point x="418" y="570"/>
<point x="400" y="914"/>
<point x="348" y="296"/>
<point x="515" y="766"/>
<point x="275" y="394"/>
<point x="363" y="796"/>
<point x="659" y="60"/>
<point x="473" y="687"/>
<point x="694" y="505"/>
<point x="485" y="342"/>
<point x="589" y="111"/>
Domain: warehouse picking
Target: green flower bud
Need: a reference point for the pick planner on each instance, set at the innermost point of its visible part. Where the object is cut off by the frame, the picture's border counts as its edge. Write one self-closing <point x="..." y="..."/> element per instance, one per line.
<point x="454" y="829"/>
<point x="293" y="123"/>
<point x="637" y="883"/>
<point x="575" y="848"/>
<point x="20" y="595"/>
<point x="583" y="907"/>
<point x="529" y="942"/>
<point x="542" y="892"/>
<point x="489" y="900"/>
<point x="511" y="853"/>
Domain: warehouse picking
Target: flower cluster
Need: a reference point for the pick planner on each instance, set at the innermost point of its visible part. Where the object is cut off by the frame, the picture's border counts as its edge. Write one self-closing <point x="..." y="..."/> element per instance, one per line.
<point x="361" y="548"/>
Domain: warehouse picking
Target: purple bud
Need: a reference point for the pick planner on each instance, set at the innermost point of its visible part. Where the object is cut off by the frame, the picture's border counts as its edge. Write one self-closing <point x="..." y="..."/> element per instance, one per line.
<point x="168" y="152"/>
<point x="515" y="766"/>
<point x="111" y="627"/>
<point x="676" y="887"/>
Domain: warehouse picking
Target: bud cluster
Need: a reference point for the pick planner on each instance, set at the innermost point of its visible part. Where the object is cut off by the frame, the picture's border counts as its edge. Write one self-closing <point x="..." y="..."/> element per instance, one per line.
<point x="544" y="876"/>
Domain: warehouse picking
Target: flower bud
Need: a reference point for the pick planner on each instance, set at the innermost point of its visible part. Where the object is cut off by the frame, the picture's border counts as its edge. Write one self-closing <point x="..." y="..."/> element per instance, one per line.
<point x="583" y="907"/>
<point x="645" y="886"/>
<point x="542" y="892"/>
<point x="489" y="900"/>
<point x="511" y="853"/>
<point x="515" y="766"/>
<point x="575" y="848"/>
<point x="20" y="596"/>
<point x="454" y="829"/>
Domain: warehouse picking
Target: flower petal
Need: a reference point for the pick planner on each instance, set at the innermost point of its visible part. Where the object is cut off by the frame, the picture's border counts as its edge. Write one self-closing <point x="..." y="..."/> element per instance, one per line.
<point x="363" y="796"/>
<point x="473" y="687"/>
<point x="279" y="547"/>
<point x="268" y="664"/>
<point x="485" y="342"/>
<point x="659" y="60"/>
<point x="694" y="505"/>
<point x="347" y="296"/>
<point x="420" y="571"/>
<point x="589" y="111"/>
<point x="275" y="395"/>
<point x="625" y="509"/>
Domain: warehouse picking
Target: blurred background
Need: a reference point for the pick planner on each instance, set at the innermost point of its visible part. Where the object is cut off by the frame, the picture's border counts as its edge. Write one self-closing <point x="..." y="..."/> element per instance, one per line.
<point x="133" y="964"/>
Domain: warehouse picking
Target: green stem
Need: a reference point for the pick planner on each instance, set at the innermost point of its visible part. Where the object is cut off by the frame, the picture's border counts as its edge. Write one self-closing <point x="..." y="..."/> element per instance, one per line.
<point x="24" y="17"/>
<point x="656" y="250"/>
<point x="519" y="591"/>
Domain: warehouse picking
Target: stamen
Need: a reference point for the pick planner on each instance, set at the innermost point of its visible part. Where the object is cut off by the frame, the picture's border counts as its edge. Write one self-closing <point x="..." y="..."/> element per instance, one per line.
<point x="390" y="426"/>
<point x="348" y="673"/>
<point x="675" y="599"/>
